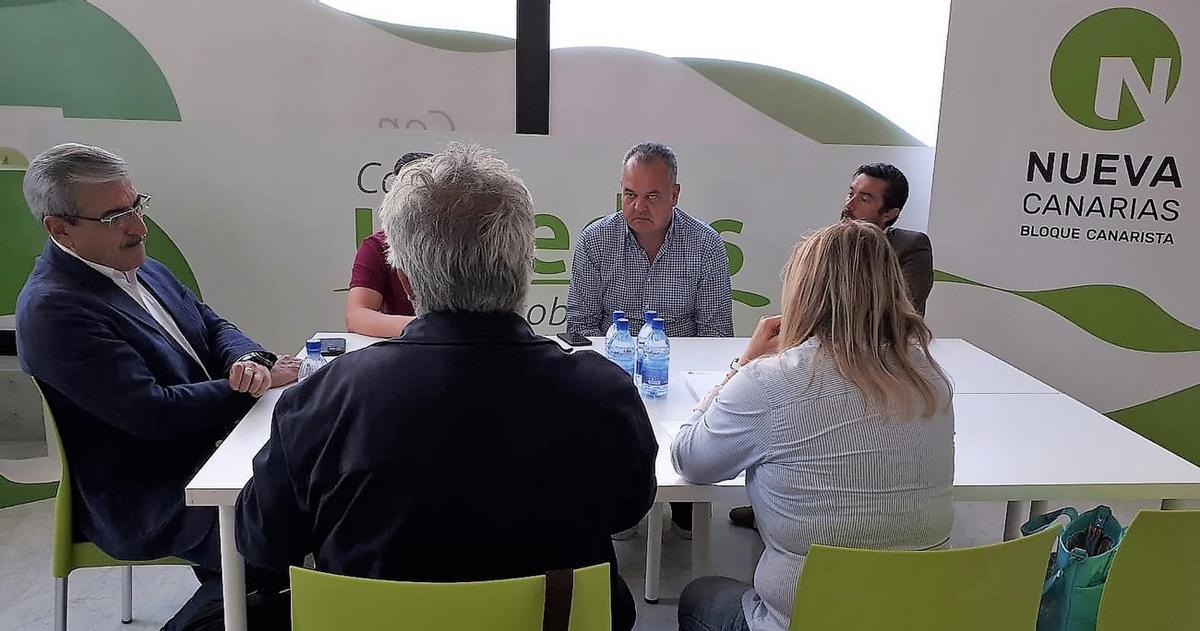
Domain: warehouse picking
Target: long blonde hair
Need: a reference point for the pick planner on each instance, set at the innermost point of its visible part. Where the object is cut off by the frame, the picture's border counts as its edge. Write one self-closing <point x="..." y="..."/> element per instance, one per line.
<point x="843" y="286"/>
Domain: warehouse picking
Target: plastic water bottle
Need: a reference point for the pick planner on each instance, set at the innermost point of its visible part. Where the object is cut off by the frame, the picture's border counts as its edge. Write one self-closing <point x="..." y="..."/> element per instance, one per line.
<point x="641" y="345"/>
<point x="612" y="330"/>
<point x="622" y="349"/>
<point x="313" y="359"/>
<point x="656" y="362"/>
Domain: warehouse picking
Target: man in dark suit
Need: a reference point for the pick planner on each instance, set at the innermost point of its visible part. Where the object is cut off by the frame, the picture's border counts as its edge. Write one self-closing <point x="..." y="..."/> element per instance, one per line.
<point x="877" y="194"/>
<point x="469" y="448"/>
<point x="142" y="377"/>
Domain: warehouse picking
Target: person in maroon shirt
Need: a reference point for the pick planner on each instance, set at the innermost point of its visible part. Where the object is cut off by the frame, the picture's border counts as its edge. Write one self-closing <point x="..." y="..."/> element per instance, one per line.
<point x="377" y="304"/>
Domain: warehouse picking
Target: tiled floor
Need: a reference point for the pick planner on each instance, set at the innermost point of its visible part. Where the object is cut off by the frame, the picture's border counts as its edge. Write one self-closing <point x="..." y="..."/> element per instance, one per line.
<point x="26" y="589"/>
<point x="15" y="449"/>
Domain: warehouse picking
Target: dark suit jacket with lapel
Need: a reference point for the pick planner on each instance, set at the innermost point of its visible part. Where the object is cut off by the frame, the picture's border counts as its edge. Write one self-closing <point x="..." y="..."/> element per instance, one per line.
<point x="137" y="415"/>
<point x="467" y="449"/>
<point x="916" y="261"/>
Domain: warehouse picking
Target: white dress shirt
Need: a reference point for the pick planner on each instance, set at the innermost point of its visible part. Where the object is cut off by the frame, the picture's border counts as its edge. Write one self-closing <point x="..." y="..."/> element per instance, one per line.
<point x="129" y="283"/>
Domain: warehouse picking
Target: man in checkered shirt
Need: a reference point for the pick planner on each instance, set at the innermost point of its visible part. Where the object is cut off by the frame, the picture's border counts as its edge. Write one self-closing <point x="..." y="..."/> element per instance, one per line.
<point x="651" y="255"/>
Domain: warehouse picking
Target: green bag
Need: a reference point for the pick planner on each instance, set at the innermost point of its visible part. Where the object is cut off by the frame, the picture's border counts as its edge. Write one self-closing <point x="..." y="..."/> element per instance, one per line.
<point x="1078" y="567"/>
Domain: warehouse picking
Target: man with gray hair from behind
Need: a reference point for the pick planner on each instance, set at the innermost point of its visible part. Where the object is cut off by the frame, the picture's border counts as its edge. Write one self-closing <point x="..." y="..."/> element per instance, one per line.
<point x="468" y="448"/>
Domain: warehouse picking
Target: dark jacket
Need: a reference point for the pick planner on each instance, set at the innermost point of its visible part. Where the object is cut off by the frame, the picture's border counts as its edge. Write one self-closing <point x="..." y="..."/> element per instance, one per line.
<point x="467" y="449"/>
<point x="137" y="415"/>
<point x="916" y="261"/>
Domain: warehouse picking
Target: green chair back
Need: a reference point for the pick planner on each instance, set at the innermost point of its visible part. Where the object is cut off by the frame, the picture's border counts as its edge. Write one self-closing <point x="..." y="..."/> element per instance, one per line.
<point x="1154" y="582"/>
<point x="67" y="554"/>
<point x="329" y="602"/>
<point x="990" y="588"/>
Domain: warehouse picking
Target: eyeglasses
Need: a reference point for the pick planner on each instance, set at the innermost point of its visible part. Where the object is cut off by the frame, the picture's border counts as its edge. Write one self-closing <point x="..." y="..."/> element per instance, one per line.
<point x="122" y="216"/>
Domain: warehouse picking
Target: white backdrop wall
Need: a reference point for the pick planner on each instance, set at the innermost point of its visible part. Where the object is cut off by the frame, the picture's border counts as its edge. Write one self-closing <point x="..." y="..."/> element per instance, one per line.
<point x="273" y="121"/>
<point x="1085" y="276"/>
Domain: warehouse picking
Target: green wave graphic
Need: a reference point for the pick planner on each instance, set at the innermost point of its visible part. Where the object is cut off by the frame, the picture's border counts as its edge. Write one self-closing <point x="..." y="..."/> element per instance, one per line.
<point x="14" y="494"/>
<point x="807" y="106"/>
<point x="72" y="55"/>
<point x="1172" y="421"/>
<point x="161" y="247"/>
<point x="1118" y="315"/>
<point x="446" y="39"/>
<point x="22" y="239"/>
<point x="814" y="109"/>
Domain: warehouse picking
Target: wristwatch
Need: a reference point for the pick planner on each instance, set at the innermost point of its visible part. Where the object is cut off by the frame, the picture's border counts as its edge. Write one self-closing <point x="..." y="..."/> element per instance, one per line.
<point x="262" y="358"/>
<point x="736" y="364"/>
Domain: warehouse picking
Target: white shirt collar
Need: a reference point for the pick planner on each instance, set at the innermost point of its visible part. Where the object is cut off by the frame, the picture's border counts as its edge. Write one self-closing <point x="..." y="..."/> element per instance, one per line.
<point x="116" y="275"/>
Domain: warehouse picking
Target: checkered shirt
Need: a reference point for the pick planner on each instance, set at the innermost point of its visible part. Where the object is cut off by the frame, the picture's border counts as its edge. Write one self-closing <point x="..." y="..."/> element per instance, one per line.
<point x="687" y="284"/>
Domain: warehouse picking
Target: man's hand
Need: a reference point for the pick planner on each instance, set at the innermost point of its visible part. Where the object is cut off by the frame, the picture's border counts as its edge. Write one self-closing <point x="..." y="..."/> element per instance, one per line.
<point x="285" y="371"/>
<point x="765" y="339"/>
<point x="249" y="377"/>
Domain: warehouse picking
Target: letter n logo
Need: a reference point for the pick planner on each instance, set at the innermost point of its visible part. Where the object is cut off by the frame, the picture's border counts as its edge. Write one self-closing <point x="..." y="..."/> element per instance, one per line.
<point x="1115" y="69"/>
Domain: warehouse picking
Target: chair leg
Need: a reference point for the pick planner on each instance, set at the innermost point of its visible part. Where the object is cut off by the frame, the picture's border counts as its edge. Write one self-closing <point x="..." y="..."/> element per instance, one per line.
<point x="126" y="594"/>
<point x="60" y="604"/>
<point x="654" y="535"/>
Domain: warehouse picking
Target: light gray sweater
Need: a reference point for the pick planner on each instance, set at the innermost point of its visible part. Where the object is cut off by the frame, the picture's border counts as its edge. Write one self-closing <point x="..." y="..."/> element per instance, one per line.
<point x="821" y="468"/>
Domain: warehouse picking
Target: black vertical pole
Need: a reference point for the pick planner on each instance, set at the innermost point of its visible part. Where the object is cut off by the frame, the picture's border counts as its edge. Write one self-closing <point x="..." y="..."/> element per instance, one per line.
<point x="533" y="66"/>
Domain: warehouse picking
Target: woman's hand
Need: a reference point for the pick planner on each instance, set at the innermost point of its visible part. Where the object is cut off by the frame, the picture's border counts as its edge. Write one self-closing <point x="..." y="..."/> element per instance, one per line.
<point x="765" y="339"/>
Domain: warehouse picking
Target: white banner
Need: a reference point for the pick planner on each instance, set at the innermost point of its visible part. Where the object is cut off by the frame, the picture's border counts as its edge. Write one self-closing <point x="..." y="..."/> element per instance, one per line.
<point x="1067" y="226"/>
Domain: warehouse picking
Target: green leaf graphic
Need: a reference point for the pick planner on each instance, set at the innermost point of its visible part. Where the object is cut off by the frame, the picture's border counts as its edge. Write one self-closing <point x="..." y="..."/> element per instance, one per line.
<point x="72" y="55"/>
<point x="814" y="109"/>
<point x="807" y="106"/>
<point x="1172" y="421"/>
<point x="21" y="239"/>
<point x="1118" y="315"/>
<point x="162" y="248"/>
<point x="750" y="299"/>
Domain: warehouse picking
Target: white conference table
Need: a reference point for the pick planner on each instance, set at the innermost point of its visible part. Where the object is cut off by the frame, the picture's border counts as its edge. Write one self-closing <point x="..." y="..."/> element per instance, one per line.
<point x="1017" y="440"/>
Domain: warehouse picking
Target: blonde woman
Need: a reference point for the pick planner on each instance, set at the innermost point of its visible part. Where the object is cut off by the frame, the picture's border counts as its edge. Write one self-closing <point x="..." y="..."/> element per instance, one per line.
<point x="839" y="417"/>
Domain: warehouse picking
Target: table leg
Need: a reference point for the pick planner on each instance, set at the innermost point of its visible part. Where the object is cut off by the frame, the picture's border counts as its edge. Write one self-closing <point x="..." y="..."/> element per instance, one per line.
<point x="654" y="536"/>
<point x="233" y="572"/>
<point x="1038" y="507"/>
<point x="1014" y="516"/>
<point x="126" y="594"/>
<point x="701" y="534"/>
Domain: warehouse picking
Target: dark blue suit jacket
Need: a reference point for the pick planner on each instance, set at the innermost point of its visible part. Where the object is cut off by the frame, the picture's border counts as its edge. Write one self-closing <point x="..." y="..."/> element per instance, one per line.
<point x="467" y="449"/>
<point x="137" y="415"/>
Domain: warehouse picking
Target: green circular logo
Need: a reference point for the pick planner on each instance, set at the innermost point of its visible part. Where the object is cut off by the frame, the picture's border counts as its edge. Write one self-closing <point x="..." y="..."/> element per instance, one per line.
<point x="1115" y="69"/>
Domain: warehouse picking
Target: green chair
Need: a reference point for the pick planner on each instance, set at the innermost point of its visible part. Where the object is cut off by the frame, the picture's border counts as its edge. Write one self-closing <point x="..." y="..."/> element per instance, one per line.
<point x="1154" y="581"/>
<point x="990" y="588"/>
<point x="329" y="602"/>
<point x="70" y="555"/>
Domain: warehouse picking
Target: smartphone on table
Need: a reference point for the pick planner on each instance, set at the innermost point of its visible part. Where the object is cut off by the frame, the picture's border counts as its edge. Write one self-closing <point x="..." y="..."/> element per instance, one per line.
<point x="574" y="339"/>
<point x="333" y="346"/>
